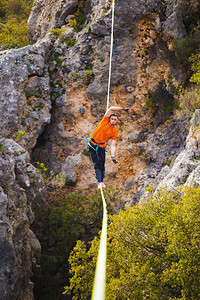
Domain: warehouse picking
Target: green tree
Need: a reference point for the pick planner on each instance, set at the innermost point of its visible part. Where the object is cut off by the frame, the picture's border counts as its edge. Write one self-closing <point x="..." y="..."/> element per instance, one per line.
<point x="195" y="59"/>
<point x="13" y="23"/>
<point x="153" y="251"/>
<point x="189" y="97"/>
<point x="185" y="47"/>
<point x="17" y="8"/>
<point x="187" y="51"/>
<point x="2" y="12"/>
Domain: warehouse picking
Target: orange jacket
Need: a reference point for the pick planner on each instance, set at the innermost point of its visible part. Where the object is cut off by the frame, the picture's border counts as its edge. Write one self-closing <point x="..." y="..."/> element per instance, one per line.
<point x="103" y="133"/>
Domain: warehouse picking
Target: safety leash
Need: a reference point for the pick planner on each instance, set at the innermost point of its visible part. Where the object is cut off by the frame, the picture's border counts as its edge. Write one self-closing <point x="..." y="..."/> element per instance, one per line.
<point x="98" y="292"/>
<point x="89" y="144"/>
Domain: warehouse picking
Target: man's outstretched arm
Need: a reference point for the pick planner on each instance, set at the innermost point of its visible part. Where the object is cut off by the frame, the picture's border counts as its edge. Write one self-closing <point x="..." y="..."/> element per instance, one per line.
<point x="113" y="142"/>
<point x="111" y="109"/>
<point x="115" y="108"/>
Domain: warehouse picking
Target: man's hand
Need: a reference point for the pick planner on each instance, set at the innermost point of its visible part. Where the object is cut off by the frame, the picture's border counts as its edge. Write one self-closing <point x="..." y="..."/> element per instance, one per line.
<point x="114" y="160"/>
<point x="116" y="108"/>
<point x="127" y="110"/>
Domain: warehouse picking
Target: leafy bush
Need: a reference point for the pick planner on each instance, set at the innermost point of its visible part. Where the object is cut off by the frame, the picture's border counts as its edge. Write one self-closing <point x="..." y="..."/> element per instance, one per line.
<point x="79" y="22"/>
<point x="20" y="134"/>
<point x="195" y="59"/>
<point x="189" y="100"/>
<point x="189" y="11"/>
<point x="13" y="23"/>
<point x="185" y="47"/>
<point x="152" y="252"/>
<point x="60" y="33"/>
<point x="189" y="97"/>
<point x="19" y="8"/>
<point x="70" y="42"/>
<point x="50" y="178"/>
<point x="14" y="34"/>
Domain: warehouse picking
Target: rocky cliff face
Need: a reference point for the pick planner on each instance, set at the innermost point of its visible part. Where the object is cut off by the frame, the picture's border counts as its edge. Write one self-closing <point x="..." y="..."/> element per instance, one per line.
<point x="142" y="62"/>
<point x="19" y="185"/>
<point x="186" y="167"/>
<point x="25" y="93"/>
<point x="55" y="92"/>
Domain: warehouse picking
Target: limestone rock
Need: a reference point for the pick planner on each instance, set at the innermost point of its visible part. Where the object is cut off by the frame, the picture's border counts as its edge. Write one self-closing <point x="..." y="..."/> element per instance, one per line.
<point x="186" y="166"/>
<point x="181" y="170"/>
<point x="173" y="26"/>
<point x="194" y="177"/>
<point x="25" y="93"/>
<point x="136" y="136"/>
<point x="48" y="15"/>
<point x="68" y="168"/>
<point x="193" y="138"/>
<point x="162" y="147"/>
<point x="16" y="193"/>
<point x="35" y="244"/>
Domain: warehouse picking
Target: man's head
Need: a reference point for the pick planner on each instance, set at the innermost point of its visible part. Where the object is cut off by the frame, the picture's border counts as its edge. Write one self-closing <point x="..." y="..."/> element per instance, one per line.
<point x="113" y="119"/>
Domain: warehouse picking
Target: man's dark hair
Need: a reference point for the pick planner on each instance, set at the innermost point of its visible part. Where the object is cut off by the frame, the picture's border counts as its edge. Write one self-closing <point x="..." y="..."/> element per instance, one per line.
<point x="114" y="115"/>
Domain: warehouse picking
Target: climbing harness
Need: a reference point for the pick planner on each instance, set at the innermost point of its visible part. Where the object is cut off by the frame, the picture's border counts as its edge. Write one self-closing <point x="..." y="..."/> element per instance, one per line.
<point x="90" y="145"/>
<point x="98" y="292"/>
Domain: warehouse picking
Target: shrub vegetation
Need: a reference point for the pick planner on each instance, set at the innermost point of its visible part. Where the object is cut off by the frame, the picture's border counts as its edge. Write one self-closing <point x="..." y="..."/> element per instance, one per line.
<point x="152" y="252"/>
<point x="58" y="225"/>
<point x="188" y="54"/>
<point x="13" y="23"/>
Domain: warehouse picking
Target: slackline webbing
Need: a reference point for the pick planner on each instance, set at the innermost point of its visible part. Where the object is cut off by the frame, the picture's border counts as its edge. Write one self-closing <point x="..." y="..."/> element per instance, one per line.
<point x="98" y="292"/>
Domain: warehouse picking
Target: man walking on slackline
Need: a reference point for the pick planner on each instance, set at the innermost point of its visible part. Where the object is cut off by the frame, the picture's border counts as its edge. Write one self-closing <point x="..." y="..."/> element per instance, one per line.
<point x="105" y="131"/>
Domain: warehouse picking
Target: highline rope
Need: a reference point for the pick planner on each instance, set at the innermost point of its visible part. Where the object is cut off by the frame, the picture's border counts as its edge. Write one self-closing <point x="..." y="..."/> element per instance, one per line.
<point x="98" y="292"/>
<point x="111" y="51"/>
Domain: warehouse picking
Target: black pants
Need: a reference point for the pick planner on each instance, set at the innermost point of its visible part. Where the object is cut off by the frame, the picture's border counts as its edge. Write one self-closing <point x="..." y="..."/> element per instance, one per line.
<point x="98" y="162"/>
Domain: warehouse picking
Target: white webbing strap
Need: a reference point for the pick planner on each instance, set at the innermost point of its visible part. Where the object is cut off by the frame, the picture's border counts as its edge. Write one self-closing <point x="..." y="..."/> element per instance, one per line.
<point x="98" y="292"/>
<point x="111" y="51"/>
